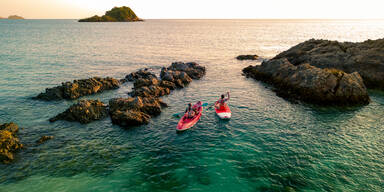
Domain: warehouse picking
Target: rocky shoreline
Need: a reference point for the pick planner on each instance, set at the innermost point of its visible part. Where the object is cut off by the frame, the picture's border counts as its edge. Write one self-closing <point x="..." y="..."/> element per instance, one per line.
<point x="325" y="72"/>
<point x="311" y="84"/>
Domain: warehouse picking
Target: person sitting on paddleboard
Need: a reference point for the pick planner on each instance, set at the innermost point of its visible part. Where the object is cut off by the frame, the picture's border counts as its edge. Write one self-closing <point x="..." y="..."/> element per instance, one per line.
<point x="221" y="101"/>
<point x="190" y="111"/>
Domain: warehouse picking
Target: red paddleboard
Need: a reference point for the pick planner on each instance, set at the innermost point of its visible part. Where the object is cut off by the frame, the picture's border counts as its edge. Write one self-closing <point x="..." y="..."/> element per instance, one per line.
<point x="186" y="123"/>
<point x="224" y="112"/>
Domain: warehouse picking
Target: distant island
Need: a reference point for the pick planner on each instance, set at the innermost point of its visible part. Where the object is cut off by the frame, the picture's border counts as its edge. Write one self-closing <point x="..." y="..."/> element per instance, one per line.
<point x="15" y="17"/>
<point x="117" y="14"/>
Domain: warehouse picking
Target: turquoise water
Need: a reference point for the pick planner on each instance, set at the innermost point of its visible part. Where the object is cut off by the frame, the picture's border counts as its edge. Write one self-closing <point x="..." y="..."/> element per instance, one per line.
<point x="270" y="144"/>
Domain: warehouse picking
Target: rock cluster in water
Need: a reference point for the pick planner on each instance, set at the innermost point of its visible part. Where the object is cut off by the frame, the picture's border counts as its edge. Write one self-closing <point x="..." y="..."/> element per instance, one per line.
<point x="353" y="66"/>
<point x="311" y="84"/>
<point x="79" y="88"/>
<point x="144" y="102"/>
<point x="85" y="111"/>
<point x="9" y="142"/>
<point x="117" y="14"/>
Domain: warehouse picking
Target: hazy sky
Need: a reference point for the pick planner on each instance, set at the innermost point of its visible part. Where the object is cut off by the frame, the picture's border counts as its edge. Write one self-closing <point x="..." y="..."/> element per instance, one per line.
<point x="148" y="9"/>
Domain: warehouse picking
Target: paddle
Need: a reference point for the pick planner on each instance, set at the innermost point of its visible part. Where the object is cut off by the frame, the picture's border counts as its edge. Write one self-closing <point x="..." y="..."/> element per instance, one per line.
<point x="178" y="114"/>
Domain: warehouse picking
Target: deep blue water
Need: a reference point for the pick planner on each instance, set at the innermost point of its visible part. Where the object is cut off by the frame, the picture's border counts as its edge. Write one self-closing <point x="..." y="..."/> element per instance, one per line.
<point x="270" y="144"/>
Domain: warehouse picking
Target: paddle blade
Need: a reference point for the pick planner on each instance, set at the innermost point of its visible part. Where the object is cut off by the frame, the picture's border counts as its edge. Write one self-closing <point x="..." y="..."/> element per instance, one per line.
<point x="176" y="115"/>
<point x="204" y="104"/>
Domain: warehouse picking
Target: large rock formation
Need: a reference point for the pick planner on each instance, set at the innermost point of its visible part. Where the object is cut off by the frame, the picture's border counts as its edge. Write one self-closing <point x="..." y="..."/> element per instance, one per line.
<point x="117" y="14"/>
<point x="366" y="58"/>
<point x="134" y="111"/>
<point x="79" y="88"/>
<point x="9" y="143"/>
<point x="144" y="102"/>
<point x="311" y="84"/>
<point x="85" y="111"/>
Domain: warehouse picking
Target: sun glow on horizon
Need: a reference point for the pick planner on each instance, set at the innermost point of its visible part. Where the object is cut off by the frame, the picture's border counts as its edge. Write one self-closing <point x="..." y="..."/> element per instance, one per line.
<point x="199" y="9"/>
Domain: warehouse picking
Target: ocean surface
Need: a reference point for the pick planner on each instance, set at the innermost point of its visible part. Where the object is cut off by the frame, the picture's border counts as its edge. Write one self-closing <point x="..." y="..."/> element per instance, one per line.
<point x="270" y="144"/>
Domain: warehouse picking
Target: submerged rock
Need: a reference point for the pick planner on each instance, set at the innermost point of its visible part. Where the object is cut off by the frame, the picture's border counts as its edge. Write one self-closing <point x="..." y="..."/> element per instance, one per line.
<point x="311" y="84"/>
<point x="79" y="88"/>
<point x="85" y="111"/>
<point x="247" y="57"/>
<point x="9" y="142"/>
<point x="43" y="139"/>
<point x="366" y="58"/>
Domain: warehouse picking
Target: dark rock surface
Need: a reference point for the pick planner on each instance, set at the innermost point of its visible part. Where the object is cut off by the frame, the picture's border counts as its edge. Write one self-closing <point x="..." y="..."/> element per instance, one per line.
<point x="134" y="111"/>
<point x="79" y="88"/>
<point x="9" y="142"/>
<point x="43" y="139"/>
<point x="85" y="111"/>
<point x="311" y="84"/>
<point x="366" y="58"/>
<point x="247" y="57"/>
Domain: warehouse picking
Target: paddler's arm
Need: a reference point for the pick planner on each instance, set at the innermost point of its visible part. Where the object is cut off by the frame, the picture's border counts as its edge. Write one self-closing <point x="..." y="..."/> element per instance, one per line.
<point x="228" y="95"/>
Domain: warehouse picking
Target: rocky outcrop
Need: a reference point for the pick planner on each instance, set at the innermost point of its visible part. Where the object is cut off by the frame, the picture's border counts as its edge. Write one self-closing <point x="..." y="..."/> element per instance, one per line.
<point x="9" y="142"/>
<point x="311" y="84"/>
<point x="366" y="58"/>
<point x="192" y="70"/>
<point x="79" y="88"/>
<point x="85" y="111"/>
<point x="43" y="139"/>
<point x="117" y="14"/>
<point x="147" y="89"/>
<point x="247" y="57"/>
<point x="134" y="111"/>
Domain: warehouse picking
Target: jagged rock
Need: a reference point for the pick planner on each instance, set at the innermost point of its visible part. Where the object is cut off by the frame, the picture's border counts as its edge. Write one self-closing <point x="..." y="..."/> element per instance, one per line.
<point x="145" y="82"/>
<point x="142" y="73"/>
<point x="85" y="111"/>
<point x="79" y="88"/>
<point x="194" y="70"/>
<point x="9" y="143"/>
<point x="366" y="58"/>
<point x="44" y="139"/>
<point x="247" y="57"/>
<point x="134" y="111"/>
<point x="168" y="84"/>
<point x="311" y="84"/>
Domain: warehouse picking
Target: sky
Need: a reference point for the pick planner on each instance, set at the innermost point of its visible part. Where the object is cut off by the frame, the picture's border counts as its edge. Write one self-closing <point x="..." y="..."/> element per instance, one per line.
<point x="198" y="9"/>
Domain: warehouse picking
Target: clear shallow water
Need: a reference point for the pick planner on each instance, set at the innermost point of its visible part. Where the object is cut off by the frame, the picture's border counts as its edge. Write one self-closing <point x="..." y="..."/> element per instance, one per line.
<point x="269" y="145"/>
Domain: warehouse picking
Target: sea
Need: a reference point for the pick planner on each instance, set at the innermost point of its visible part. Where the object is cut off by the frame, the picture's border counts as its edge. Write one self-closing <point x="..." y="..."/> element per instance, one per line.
<point x="270" y="144"/>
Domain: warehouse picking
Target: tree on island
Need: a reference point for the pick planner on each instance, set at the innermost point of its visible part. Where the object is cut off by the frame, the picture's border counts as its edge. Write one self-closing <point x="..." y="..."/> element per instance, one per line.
<point x="117" y="14"/>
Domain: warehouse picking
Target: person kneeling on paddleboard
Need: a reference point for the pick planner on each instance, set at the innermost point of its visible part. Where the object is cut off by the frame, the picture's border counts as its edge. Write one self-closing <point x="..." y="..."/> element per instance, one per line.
<point x="221" y="102"/>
